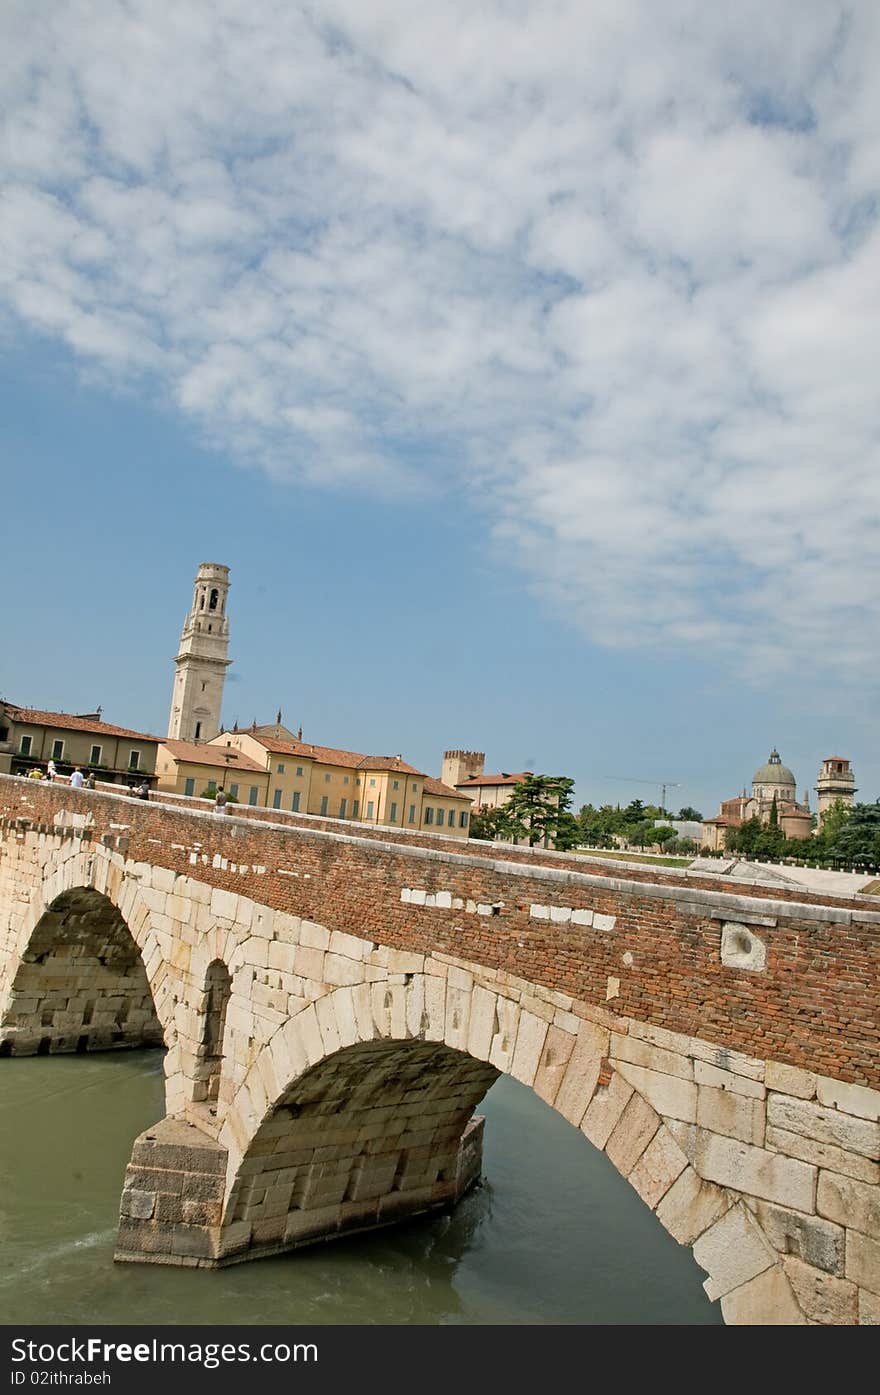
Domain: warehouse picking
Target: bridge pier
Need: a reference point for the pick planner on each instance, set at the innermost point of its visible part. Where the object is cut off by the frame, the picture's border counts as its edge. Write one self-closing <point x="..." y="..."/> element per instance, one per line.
<point x="172" y="1209"/>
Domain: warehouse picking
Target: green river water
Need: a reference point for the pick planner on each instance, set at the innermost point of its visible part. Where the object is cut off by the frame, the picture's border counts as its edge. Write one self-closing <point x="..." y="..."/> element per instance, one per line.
<point x="554" y="1235"/>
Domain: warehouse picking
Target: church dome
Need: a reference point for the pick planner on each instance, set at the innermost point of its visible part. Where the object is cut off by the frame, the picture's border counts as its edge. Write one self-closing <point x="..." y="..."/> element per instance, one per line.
<point x="774" y="772"/>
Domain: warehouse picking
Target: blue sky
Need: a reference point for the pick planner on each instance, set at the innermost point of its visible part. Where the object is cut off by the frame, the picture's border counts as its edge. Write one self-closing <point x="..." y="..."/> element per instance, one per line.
<point x="529" y="393"/>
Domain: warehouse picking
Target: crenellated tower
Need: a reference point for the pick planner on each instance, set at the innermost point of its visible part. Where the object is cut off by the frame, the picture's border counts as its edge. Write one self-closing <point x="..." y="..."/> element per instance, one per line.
<point x="461" y="765"/>
<point x="202" y="660"/>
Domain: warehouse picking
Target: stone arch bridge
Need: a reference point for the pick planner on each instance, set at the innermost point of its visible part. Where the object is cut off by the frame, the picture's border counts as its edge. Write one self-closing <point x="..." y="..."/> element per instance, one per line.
<point x="336" y="1001"/>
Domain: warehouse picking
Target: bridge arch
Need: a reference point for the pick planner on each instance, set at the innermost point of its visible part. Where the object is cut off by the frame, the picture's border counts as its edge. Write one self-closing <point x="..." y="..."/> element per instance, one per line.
<point x="361" y="1109"/>
<point x="80" y="984"/>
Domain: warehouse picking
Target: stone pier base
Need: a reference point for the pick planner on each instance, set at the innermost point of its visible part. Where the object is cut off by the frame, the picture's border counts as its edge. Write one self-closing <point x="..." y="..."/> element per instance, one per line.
<point x="172" y="1202"/>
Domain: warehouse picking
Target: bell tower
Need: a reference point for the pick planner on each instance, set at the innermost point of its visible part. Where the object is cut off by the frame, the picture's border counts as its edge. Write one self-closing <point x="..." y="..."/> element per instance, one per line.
<point x="201" y="662"/>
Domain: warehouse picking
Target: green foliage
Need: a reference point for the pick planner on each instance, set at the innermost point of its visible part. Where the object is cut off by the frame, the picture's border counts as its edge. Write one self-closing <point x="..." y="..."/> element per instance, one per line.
<point x="689" y="815"/>
<point x="537" y="810"/>
<point x="488" y="824"/>
<point x="858" y="840"/>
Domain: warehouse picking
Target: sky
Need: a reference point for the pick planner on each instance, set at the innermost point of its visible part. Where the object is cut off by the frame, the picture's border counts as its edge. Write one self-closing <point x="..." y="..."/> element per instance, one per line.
<point x="519" y="359"/>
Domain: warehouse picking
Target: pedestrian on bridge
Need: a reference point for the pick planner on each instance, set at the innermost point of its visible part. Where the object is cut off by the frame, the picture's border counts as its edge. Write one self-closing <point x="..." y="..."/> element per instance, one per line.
<point x="77" y="779"/>
<point x="221" y="801"/>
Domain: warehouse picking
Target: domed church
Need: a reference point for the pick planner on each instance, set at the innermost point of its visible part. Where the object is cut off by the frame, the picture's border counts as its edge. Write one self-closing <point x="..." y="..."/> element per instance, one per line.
<point x="770" y="781"/>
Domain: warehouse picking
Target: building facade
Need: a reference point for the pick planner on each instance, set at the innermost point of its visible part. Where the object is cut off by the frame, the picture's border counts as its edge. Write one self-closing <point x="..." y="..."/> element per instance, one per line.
<point x="835" y="781"/>
<point x="304" y="778"/>
<point x="773" y="785"/>
<point x="202" y="660"/>
<point x="198" y="770"/>
<point x="30" y="738"/>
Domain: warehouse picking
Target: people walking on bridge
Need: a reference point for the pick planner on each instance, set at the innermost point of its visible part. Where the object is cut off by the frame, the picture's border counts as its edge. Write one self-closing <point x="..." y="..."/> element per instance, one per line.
<point x="143" y="790"/>
<point x="35" y="774"/>
<point x="90" y="781"/>
<point x="51" y="770"/>
<point x="221" y="801"/>
<point x="77" y="779"/>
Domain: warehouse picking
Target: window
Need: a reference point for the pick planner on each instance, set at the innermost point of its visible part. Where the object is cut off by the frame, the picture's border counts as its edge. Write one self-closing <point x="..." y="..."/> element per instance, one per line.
<point x="253" y="794"/>
<point x="345" y="779"/>
<point x="299" y="770"/>
<point x="279" y="769"/>
<point x="294" y="803"/>
<point x="204" y="686"/>
<point x="355" y="808"/>
<point x="372" y="784"/>
<point x="324" y="804"/>
<point x="463" y="819"/>
<point x="414" y="787"/>
<point x="25" y="747"/>
<point x="198" y="730"/>
<point x="276" y="799"/>
<point x="57" y="750"/>
<point x="429" y="815"/>
<point x="190" y="786"/>
<point x="357" y="779"/>
<point x="342" y="804"/>
<point x="393" y="815"/>
<point x="95" y="755"/>
<point x="412" y="813"/>
<point x="212" y="603"/>
<point x="369" y="808"/>
<point x="396" y="785"/>
<point x="134" y="760"/>
<point x="450" y="818"/>
<point x="233" y="790"/>
<point x="326" y="779"/>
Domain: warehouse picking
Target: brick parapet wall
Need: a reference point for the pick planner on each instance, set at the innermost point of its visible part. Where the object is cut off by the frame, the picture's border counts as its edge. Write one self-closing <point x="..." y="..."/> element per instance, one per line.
<point x="655" y="956"/>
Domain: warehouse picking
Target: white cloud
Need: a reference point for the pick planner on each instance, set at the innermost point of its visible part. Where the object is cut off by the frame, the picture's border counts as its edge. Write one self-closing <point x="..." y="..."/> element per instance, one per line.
<point x="612" y="267"/>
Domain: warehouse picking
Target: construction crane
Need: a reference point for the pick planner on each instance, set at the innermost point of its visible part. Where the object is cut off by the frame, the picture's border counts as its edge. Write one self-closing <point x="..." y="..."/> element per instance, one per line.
<point x="663" y="784"/>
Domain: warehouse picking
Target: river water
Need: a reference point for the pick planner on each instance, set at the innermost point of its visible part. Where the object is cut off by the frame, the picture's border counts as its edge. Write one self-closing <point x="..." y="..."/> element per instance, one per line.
<point x="554" y="1235"/>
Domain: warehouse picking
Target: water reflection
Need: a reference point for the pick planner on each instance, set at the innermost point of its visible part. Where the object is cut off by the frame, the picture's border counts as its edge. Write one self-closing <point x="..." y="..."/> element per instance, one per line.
<point x="554" y="1235"/>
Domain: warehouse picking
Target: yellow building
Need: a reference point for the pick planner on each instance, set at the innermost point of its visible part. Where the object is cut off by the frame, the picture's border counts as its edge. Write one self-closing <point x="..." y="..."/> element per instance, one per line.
<point x="325" y="780"/>
<point x="30" y="738"/>
<point x="198" y="769"/>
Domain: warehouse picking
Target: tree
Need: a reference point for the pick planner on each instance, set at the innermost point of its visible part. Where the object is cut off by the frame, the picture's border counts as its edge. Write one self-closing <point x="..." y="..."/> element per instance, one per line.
<point x="689" y="815"/>
<point x="488" y="823"/>
<point x="858" y="841"/>
<point x="662" y="834"/>
<point x="536" y="808"/>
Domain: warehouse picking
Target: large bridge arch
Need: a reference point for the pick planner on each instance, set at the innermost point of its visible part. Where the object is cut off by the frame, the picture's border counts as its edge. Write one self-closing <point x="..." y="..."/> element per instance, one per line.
<point x="361" y="1111"/>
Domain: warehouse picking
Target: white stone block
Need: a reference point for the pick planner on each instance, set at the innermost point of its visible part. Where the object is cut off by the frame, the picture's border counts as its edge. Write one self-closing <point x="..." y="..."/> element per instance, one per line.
<point x="443" y="900"/>
<point x="530" y="1040"/>
<point x="655" y="1058"/>
<point x="581" y="1075"/>
<point x="658" y="1167"/>
<point x="671" y="1096"/>
<point x="631" y="1134"/>
<point x="605" y="1108"/>
<point x="825" y="1125"/>
<point x="850" y="1202"/>
<point x="691" y="1206"/>
<point x="863" y="1261"/>
<point x="732" y="1252"/>
<point x="736" y="1116"/>
<point x="418" y="896"/>
<point x="504" y="1040"/>
<point x="603" y="922"/>
<point x="766" y="1300"/>
<point x="539" y="912"/>
<point x="756" y="1171"/>
<point x="790" y="1080"/>
<point x="704" y="1074"/>
<point x="851" y="1099"/>
<point x="579" y="917"/>
<point x="481" y="1026"/>
<point x="560" y="915"/>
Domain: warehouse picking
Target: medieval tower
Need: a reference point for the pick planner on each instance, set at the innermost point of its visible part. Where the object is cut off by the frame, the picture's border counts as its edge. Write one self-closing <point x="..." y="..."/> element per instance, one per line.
<point x="836" y="781"/>
<point x="201" y="662"/>
<point x="461" y="765"/>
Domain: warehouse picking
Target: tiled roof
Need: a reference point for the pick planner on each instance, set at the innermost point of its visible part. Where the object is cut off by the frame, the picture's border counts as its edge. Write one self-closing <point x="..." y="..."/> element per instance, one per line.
<point x="66" y="721"/>
<point x="199" y="754"/>
<point x="332" y="755"/>
<point x="502" y="779"/>
<point x="437" y="787"/>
